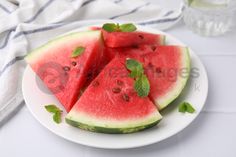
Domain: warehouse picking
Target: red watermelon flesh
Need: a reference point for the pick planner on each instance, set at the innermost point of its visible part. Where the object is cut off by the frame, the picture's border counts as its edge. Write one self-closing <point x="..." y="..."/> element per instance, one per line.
<point x="63" y="75"/>
<point x="111" y="105"/>
<point x="132" y="52"/>
<point x="127" y="39"/>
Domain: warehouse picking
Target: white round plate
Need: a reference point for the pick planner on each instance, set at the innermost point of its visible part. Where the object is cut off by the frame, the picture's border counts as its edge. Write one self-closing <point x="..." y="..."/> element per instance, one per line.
<point x="36" y="96"/>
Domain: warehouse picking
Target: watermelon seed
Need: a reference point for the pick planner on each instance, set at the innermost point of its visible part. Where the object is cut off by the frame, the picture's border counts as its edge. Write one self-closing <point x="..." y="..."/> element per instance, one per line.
<point x="73" y="63"/>
<point x="153" y="48"/>
<point x="66" y="68"/>
<point x="150" y="65"/>
<point x="119" y="82"/>
<point x="140" y="36"/>
<point x="135" y="46"/>
<point x="116" y="90"/>
<point x="125" y="97"/>
<point x="158" y="70"/>
<point x="95" y="83"/>
<point x="89" y="75"/>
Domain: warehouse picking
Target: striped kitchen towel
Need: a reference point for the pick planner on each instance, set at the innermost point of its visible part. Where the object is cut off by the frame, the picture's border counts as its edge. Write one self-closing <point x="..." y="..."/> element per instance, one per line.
<point x="26" y="24"/>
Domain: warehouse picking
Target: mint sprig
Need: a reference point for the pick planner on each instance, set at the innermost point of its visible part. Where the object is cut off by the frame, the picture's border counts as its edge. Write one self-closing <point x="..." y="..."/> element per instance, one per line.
<point x="112" y="27"/>
<point x="128" y="27"/>
<point x="186" y="107"/>
<point x="136" y="68"/>
<point x="55" y="111"/>
<point x="141" y="84"/>
<point x="78" y="51"/>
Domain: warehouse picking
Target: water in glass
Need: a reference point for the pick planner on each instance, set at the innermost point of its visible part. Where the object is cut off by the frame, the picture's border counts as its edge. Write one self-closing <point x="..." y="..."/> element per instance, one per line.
<point x="210" y="17"/>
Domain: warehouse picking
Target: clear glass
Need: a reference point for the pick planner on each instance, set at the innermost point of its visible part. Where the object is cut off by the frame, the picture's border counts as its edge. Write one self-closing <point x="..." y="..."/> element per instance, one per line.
<point x="210" y="17"/>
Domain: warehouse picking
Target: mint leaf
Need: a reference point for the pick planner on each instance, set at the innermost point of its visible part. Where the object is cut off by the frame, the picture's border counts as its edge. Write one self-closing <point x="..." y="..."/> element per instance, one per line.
<point x="52" y="108"/>
<point x="142" y="86"/>
<point x="111" y="27"/>
<point x="78" y="51"/>
<point x="186" y="107"/>
<point x="135" y="67"/>
<point x="57" y="117"/>
<point x="190" y="108"/>
<point x="182" y="108"/>
<point x="129" y="27"/>
<point x="136" y="73"/>
<point x="56" y="112"/>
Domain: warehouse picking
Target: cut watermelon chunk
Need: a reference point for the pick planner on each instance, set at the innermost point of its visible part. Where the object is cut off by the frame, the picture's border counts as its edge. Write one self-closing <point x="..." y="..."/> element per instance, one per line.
<point x="127" y="39"/>
<point x="63" y="75"/>
<point x="110" y="104"/>
<point x="168" y="70"/>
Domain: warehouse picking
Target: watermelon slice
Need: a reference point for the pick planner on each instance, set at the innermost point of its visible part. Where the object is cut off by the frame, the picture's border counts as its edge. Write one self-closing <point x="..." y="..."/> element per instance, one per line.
<point x="110" y="104"/>
<point x="168" y="70"/>
<point x="164" y="66"/>
<point x="126" y="39"/>
<point x="63" y="75"/>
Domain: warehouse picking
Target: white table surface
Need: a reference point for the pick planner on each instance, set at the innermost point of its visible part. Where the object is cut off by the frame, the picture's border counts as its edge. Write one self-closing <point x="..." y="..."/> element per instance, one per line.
<point x="213" y="133"/>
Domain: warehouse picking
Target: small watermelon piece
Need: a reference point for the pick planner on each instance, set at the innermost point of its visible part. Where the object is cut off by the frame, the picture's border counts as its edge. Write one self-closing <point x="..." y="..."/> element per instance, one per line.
<point x="168" y="70"/>
<point x="110" y="104"/>
<point x="64" y="75"/>
<point x="127" y="39"/>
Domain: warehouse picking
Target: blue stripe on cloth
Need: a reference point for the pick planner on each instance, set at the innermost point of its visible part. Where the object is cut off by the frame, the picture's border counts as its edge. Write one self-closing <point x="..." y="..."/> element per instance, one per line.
<point x="28" y="21"/>
<point x="10" y="63"/>
<point x="87" y="2"/>
<point x="7" y="118"/>
<point x="37" y="30"/>
<point x="160" y="21"/>
<point x="13" y="61"/>
<point x="40" y="11"/>
<point x="117" y="1"/>
<point x="130" y="12"/>
<point x="5" y="42"/>
<point x="4" y="9"/>
<point x="169" y="13"/>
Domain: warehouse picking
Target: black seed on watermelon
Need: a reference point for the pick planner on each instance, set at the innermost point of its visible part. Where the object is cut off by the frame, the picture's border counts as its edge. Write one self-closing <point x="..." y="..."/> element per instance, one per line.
<point x="153" y="48"/>
<point x="89" y="75"/>
<point x="66" y="68"/>
<point x="116" y="90"/>
<point x="125" y="97"/>
<point x="95" y="83"/>
<point x="135" y="46"/>
<point x="150" y="65"/>
<point x="141" y="36"/>
<point x="158" y="70"/>
<point x="119" y="82"/>
<point x="73" y="63"/>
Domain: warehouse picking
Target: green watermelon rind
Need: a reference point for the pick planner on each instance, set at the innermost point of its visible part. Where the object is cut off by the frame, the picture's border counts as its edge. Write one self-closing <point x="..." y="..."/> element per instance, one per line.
<point x="36" y="53"/>
<point x="110" y="130"/>
<point x="181" y="82"/>
<point x="101" y="126"/>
